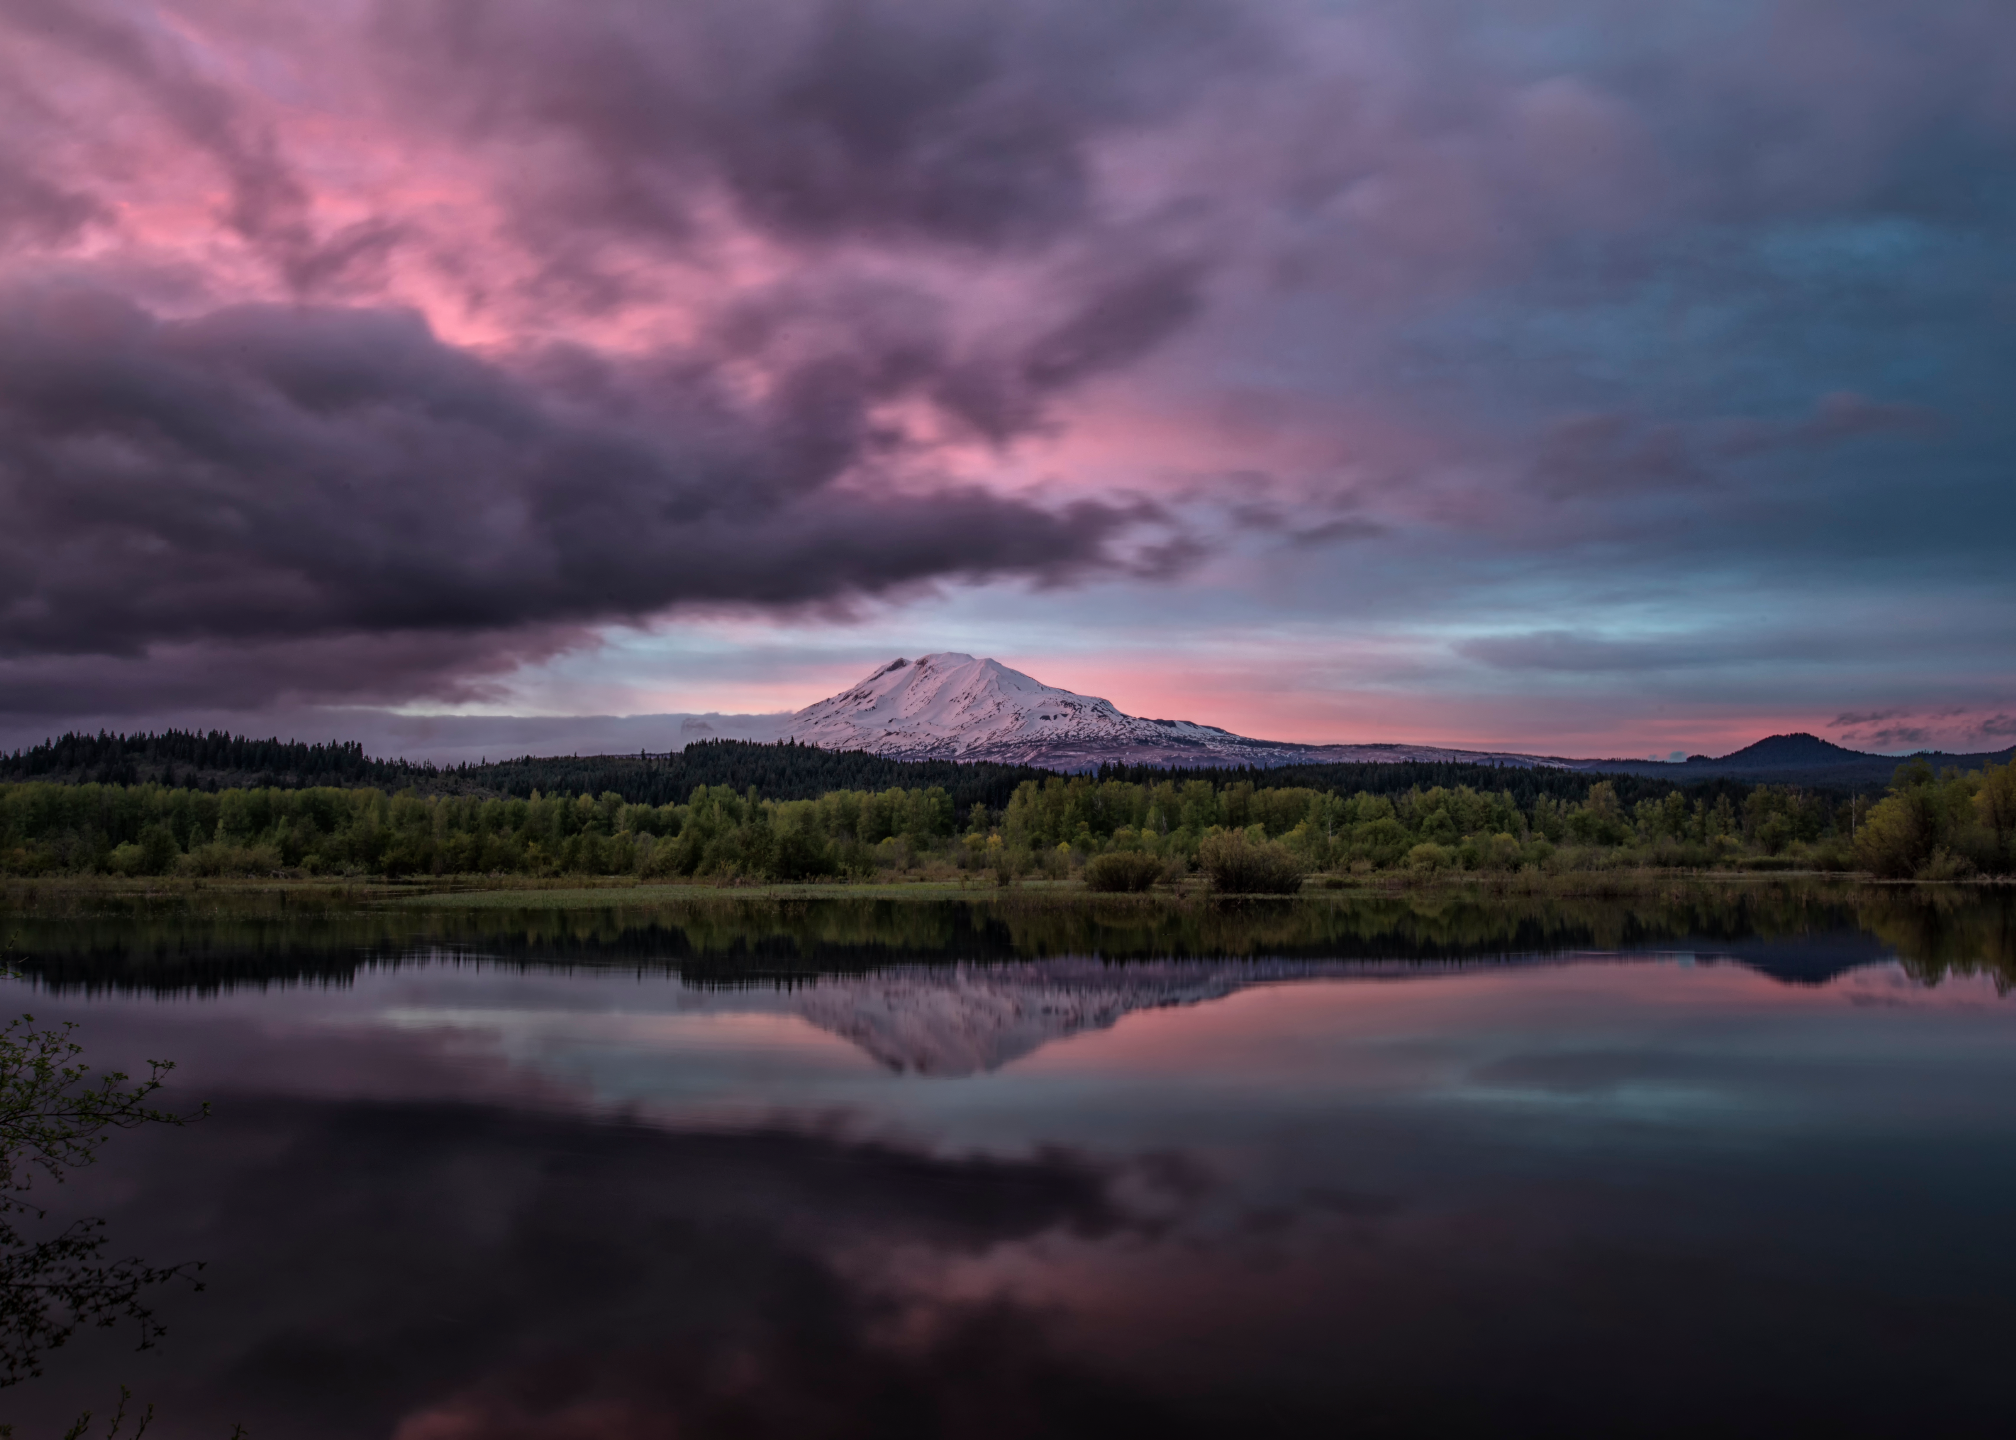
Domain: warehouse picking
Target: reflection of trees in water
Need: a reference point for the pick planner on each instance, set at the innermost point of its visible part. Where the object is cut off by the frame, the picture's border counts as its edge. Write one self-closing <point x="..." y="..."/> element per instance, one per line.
<point x="1942" y="930"/>
<point x="205" y="941"/>
<point x="54" y="1116"/>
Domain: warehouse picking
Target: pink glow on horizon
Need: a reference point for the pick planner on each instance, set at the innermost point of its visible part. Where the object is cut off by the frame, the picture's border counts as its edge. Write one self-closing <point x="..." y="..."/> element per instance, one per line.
<point x="1250" y="701"/>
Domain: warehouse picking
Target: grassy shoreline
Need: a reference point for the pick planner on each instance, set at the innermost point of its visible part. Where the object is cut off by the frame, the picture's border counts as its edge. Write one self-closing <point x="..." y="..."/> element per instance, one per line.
<point x="574" y="892"/>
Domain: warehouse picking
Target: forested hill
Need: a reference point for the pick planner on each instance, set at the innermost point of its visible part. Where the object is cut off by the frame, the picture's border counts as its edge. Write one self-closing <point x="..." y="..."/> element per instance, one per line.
<point x="787" y="771"/>
<point x="209" y="760"/>
<point x="1525" y="784"/>
<point x="784" y="771"/>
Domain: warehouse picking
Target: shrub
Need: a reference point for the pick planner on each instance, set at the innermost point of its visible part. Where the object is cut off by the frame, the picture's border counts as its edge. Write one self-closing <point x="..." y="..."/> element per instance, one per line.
<point x="1239" y="866"/>
<point x="219" y="858"/>
<point x="1428" y="857"/>
<point x="799" y="856"/>
<point x="1943" y="864"/>
<point x="1122" y="870"/>
<point x="156" y="854"/>
<point x="1772" y="864"/>
<point x="126" y="859"/>
<point x="1896" y="837"/>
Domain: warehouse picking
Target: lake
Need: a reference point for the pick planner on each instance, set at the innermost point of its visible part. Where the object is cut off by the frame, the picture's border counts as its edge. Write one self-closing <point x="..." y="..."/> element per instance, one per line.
<point x="1738" y="1162"/>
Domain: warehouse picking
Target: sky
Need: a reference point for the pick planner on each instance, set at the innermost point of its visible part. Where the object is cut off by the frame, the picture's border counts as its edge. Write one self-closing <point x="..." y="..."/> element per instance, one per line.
<point x="1573" y="376"/>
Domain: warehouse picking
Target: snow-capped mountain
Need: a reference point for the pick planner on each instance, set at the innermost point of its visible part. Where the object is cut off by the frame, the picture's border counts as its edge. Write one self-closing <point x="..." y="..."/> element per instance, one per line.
<point x="954" y="706"/>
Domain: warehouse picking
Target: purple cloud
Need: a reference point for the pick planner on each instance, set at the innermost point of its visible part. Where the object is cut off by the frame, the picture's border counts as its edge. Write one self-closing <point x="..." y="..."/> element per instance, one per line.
<point x="264" y="475"/>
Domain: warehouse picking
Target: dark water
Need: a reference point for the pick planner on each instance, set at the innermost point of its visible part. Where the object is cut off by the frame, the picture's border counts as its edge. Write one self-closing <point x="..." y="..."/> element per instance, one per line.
<point x="1675" y="1166"/>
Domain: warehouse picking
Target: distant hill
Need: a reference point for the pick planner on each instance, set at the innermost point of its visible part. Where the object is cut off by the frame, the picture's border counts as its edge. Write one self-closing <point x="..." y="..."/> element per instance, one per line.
<point x="784" y="771"/>
<point x="1797" y="759"/>
<point x="209" y="760"/>
<point x="1793" y="752"/>
<point x="1525" y="783"/>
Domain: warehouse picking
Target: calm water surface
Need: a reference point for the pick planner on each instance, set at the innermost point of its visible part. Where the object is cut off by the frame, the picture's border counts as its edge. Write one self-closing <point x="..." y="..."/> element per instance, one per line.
<point x="954" y="1170"/>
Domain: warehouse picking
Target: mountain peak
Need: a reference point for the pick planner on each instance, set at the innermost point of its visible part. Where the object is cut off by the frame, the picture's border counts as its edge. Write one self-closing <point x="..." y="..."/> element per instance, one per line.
<point x="954" y="703"/>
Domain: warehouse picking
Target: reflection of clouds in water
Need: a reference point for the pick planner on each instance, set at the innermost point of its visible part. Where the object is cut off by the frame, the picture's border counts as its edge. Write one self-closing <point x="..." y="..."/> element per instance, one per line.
<point x="984" y="1372"/>
<point x="442" y="1270"/>
<point x="1581" y="1071"/>
<point x="1640" y="1084"/>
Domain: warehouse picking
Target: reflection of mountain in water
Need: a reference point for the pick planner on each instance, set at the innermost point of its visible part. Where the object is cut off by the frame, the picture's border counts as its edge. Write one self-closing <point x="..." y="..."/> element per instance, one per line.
<point x="1794" y="960"/>
<point x="962" y="1019"/>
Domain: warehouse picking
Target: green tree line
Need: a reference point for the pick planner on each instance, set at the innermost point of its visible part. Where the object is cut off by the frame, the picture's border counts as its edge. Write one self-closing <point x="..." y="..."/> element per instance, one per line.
<point x="1935" y="827"/>
<point x="1942" y="827"/>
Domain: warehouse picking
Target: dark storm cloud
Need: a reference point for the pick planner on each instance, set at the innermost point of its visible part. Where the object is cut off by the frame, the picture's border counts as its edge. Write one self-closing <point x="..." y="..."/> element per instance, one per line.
<point x="380" y="668"/>
<point x="963" y="123"/>
<point x="265" y="476"/>
<point x="877" y="339"/>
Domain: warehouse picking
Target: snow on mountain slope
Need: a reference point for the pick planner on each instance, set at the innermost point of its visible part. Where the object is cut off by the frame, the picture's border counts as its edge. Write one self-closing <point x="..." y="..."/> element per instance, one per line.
<point x="954" y="706"/>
